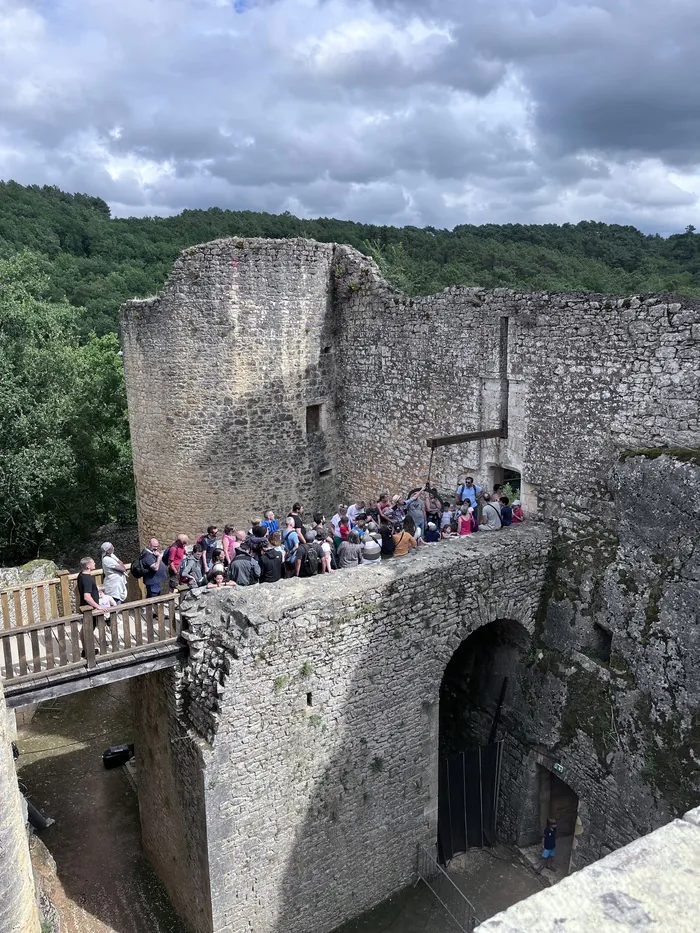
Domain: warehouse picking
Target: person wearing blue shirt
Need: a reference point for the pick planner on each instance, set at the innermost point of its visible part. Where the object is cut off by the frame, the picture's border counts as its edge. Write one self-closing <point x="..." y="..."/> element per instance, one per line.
<point x="469" y="492"/>
<point x="549" y="842"/>
<point x="270" y="523"/>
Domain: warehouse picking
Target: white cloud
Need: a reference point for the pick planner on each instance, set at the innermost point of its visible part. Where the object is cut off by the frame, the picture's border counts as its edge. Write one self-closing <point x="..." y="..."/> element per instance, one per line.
<point x="394" y="111"/>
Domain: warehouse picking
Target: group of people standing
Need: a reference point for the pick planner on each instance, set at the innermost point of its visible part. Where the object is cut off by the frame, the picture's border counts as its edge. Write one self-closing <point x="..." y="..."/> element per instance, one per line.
<point x="357" y="534"/>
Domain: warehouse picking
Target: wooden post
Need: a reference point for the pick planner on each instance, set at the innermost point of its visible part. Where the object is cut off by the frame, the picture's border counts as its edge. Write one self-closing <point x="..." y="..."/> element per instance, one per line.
<point x="88" y="638"/>
<point x="64" y="593"/>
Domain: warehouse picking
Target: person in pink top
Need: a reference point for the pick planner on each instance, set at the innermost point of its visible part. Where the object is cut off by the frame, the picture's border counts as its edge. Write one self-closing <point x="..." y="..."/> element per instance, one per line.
<point x="228" y="543"/>
<point x="517" y="512"/>
<point x="465" y="525"/>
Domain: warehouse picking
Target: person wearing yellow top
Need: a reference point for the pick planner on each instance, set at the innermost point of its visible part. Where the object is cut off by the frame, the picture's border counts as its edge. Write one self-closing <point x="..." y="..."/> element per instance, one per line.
<point x="404" y="542"/>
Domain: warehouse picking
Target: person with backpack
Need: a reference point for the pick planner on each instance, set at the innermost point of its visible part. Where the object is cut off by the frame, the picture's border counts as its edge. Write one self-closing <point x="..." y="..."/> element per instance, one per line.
<point x="350" y="552"/>
<point x="209" y="542"/>
<point x="271" y="564"/>
<point x="244" y="570"/>
<point x="290" y="540"/>
<point x="468" y="492"/>
<point x="172" y="558"/>
<point x="308" y="561"/>
<point x="156" y="572"/>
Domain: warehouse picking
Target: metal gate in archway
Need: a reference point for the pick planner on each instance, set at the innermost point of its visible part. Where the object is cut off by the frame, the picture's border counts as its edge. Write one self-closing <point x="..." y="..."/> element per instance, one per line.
<point x="468" y="790"/>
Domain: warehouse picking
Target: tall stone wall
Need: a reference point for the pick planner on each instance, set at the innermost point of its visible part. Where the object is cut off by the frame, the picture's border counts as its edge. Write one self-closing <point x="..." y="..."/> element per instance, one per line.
<point x="314" y="707"/>
<point x="604" y="402"/>
<point x="220" y="371"/>
<point x="18" y="908"/>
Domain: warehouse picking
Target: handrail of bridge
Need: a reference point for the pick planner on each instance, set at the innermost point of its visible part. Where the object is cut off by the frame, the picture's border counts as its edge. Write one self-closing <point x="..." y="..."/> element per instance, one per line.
<point x="43" y="600"/>
<point x="89" y="639"/>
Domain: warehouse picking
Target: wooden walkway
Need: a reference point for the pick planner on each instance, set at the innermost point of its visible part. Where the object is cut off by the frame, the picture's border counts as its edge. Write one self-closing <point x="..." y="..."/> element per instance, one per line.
<point x="40" y="660"/>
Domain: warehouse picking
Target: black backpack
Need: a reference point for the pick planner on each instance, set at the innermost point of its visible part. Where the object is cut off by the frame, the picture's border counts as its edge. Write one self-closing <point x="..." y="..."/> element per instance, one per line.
<point x="138" y="568"/>
<point x="309" y="561"/>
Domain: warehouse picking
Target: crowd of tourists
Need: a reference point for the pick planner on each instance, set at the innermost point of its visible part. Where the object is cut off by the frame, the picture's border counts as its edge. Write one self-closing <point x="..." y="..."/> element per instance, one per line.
<point x="358" y="534"/>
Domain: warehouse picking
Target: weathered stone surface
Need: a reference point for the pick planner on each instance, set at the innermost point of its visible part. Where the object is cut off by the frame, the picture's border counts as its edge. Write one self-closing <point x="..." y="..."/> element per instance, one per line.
<point x="312" y="707"/>
<point x="32" y="572"/>
<point x="18" y="908"/>
<point x="220" y="372"/>
<point x="651" y="884"/>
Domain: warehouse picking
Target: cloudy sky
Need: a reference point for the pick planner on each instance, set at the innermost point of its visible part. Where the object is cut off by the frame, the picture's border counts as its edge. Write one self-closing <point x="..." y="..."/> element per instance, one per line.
<point x="419" y="112"/>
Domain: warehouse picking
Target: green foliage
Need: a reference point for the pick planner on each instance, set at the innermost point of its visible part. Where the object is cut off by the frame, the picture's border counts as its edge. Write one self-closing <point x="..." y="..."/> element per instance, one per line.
<point x="65" y="460"/>
<point x="96" y="263"/>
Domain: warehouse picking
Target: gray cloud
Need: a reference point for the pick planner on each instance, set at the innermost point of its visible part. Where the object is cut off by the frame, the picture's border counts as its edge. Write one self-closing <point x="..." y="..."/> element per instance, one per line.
<point x="395" y="111"/>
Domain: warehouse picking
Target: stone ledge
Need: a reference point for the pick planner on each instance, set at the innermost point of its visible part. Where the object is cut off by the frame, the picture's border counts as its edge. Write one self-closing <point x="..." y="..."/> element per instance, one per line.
<point x="653" y="884"/>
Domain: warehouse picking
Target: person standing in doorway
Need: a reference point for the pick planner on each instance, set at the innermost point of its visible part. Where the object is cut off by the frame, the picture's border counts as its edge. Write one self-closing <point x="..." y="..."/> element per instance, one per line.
<point x="549" y="843"/>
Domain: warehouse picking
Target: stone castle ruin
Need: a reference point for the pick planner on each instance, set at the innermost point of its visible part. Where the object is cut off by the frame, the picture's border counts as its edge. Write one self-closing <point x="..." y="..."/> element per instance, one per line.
<point x="289" y="770"/>
<point x="290" y="767"/>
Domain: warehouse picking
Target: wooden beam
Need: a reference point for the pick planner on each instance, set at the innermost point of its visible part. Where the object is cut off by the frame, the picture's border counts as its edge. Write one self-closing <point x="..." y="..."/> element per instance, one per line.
<point x="434" y="442"/>
<point x="53" y="691"/>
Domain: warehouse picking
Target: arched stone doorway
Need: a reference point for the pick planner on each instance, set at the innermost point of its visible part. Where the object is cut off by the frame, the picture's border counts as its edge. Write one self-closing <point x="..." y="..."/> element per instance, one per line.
<point x="479" y="690"/>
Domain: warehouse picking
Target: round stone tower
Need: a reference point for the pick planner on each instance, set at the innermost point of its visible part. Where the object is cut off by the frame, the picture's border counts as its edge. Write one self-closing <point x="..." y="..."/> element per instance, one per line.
<point x="229" y="385"/>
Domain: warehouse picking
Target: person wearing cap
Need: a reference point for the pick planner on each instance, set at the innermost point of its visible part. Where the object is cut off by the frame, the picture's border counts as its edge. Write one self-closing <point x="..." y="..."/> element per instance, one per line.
<point x="517" y="512"/>
<point x="114" y="570"/>
<point x="371" y="545"/>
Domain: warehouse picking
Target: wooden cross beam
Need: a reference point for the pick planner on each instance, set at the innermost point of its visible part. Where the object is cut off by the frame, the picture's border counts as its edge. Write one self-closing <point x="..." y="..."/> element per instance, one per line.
<point x="434" y="442"/>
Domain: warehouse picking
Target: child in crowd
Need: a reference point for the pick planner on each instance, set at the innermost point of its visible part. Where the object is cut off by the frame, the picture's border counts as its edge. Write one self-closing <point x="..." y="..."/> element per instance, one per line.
<point x="465" y="524"/>
<point x="446" y="519"/>
<point x="549" y="842"/>
<point x="518" y="512"/>
<point x="431" y="533"/>
<point x="506" y="511"/>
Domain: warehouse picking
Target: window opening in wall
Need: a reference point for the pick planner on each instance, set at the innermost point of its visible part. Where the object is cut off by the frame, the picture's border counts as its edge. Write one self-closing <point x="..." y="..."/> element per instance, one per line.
<point x="602" y="644"/>
<point x="512" y="478"/>
<point x="313" y="419"/>
<point x="327" y="349"/>
<point x="326" y="471"/>
<point x="309" y="699"/>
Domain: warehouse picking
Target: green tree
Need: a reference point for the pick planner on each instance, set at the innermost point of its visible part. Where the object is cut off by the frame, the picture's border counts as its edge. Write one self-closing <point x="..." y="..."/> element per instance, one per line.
<point x="65" y="463"/>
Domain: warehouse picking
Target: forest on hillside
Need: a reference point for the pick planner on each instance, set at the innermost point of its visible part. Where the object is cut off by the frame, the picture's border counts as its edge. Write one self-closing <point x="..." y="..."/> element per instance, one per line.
<point x="66" y="267"/>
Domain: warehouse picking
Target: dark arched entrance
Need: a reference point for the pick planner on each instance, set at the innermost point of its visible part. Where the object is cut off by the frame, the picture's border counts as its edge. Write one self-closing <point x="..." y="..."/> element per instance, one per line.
<point x="476" y="694"/>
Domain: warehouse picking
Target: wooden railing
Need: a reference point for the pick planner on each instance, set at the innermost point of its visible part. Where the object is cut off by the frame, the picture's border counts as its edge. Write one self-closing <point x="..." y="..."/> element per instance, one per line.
<point x="88" y="639"/>
<point x="49" y="599"/>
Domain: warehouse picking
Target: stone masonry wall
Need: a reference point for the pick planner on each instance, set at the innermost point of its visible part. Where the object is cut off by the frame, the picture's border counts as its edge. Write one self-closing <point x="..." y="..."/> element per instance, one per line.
<point x="315" y="705"/>
<point x="18" y="908"/>
<point x="172" y="812"/>
<point x="607" y="688"/>
<point x="219" y="371"/>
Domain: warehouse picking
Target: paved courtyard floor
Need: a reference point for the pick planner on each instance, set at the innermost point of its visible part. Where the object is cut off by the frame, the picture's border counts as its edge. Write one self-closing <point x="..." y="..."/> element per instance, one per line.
<point x="492" y="879"/>
<point x="94" y="870"/>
